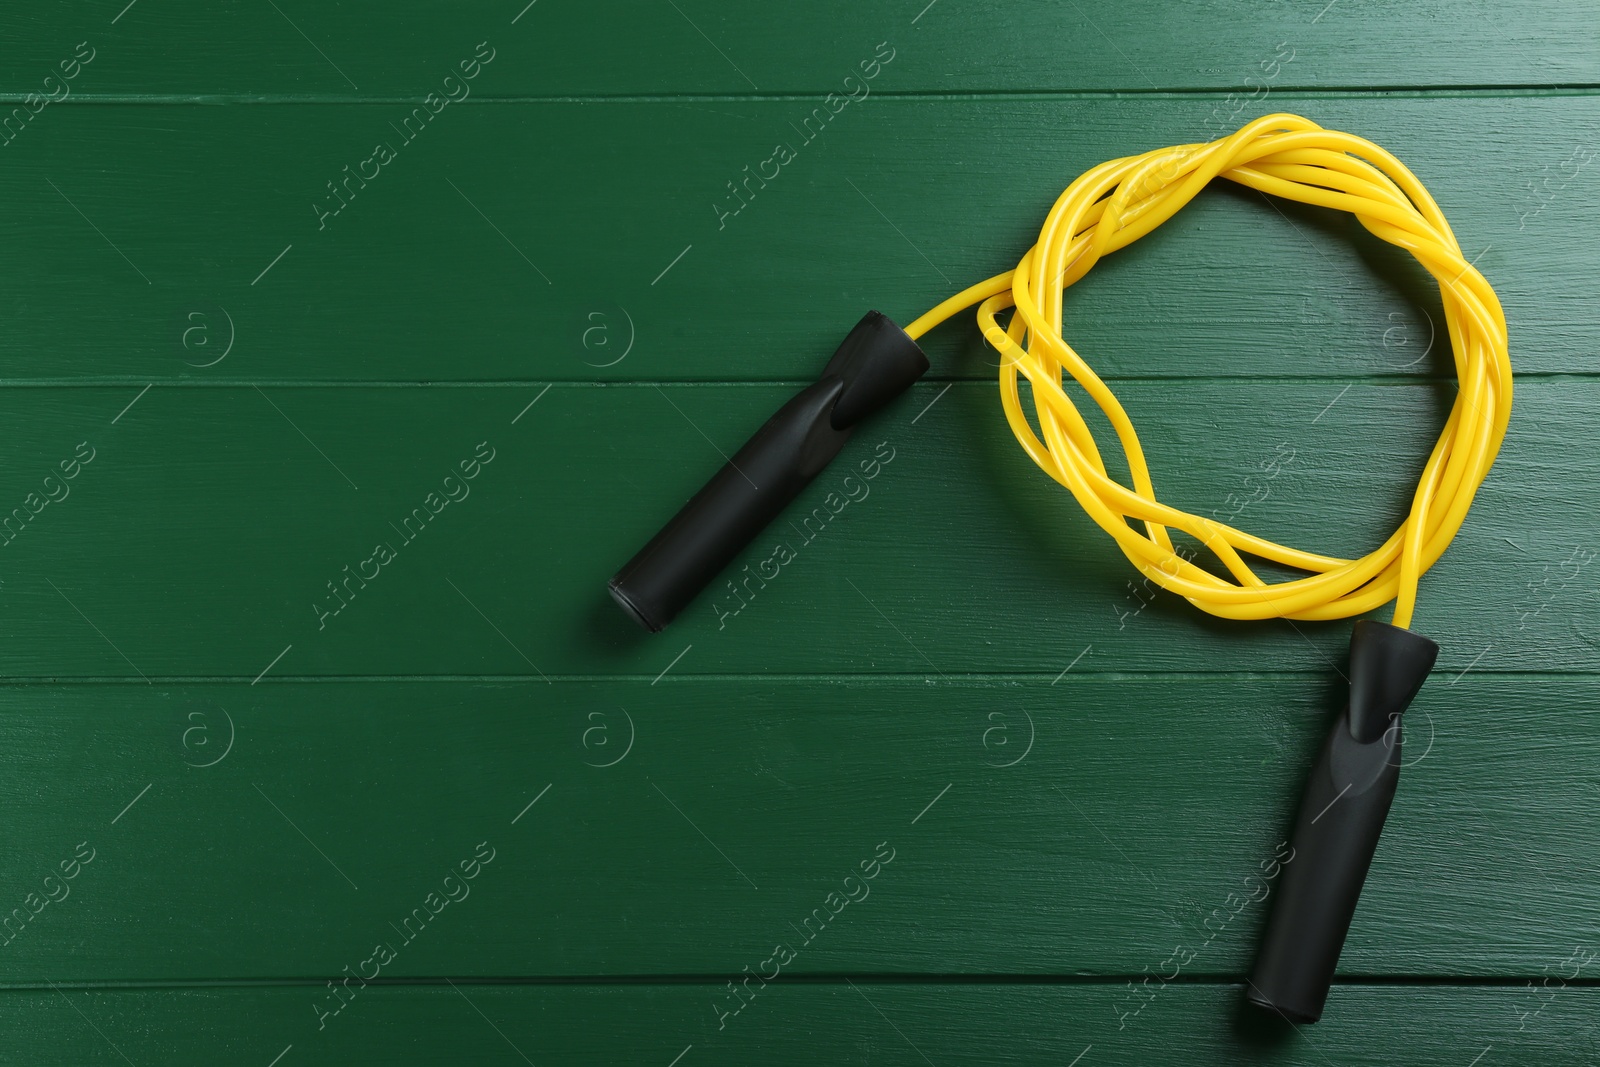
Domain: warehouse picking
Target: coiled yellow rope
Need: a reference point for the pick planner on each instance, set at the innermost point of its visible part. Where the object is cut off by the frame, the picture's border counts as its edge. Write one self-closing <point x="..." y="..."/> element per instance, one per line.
<point x="1118" y="202"/>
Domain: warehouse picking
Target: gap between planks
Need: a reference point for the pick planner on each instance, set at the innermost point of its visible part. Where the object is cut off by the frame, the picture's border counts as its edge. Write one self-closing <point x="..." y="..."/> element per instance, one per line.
<point x="887" y="678"/>
<point x="1307" y="92"/>
<point x="761" y="383"/>
<point x="1508" y="981"/>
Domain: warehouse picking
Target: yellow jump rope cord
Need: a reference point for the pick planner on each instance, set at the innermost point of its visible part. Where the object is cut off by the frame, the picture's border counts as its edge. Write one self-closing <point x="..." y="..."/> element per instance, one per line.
<point x="1118" y="202"/>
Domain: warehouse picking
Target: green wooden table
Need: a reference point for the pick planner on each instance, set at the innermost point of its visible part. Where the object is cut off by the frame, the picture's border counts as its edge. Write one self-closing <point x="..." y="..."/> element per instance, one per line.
<point x="350" y="348"/>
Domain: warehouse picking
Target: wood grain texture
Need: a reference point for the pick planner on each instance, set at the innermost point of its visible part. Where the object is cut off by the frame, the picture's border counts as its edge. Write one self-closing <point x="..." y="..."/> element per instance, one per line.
<point x="1004" y="825"/>
<point x="216" y="527"/>
<point x="861" y="1023"/>
<point x="306" y="51"/>
<point x="597" y="241"/>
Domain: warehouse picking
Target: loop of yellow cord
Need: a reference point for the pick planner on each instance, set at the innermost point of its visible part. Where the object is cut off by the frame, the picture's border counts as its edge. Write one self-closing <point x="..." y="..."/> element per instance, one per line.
<point x="1118" y="202"/>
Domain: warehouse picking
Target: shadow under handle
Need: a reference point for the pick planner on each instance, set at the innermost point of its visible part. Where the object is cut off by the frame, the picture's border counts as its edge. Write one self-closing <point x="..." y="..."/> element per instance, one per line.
<point x="1341" y="816"/>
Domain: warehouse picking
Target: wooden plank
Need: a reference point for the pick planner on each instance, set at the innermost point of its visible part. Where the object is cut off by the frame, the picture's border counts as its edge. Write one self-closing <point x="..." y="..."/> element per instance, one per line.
<point x="215" y="528"/>
<point x="300" y="50"/>
<point x="863" y="1022"/>
<point x="598" y="241"/>
<point x="979" y="826"/>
